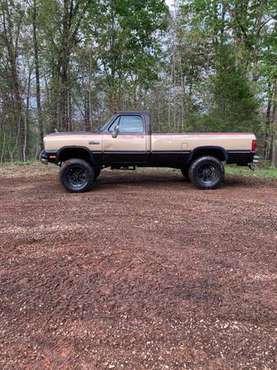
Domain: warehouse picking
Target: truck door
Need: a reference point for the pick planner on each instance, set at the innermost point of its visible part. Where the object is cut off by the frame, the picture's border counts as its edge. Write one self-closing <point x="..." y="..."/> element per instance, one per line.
<point x="124" y="142"/>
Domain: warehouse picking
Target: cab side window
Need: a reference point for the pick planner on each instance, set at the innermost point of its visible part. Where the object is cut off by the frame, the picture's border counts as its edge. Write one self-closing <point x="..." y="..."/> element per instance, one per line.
<point x="131" y="124"/>
<point x="128" y="125"/>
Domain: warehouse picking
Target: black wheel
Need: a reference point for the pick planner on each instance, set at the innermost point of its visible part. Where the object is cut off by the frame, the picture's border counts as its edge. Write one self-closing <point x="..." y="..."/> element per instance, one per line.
<point x="97" y="172"/>
<point x="77" y="175"/>
<point x="185" y="173"/>
<point x="206" y="173"/>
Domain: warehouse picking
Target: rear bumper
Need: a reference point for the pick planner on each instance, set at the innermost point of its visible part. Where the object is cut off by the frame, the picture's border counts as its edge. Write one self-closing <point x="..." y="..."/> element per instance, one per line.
<point x="254" y="163"/>
<point x="240" y="157"/>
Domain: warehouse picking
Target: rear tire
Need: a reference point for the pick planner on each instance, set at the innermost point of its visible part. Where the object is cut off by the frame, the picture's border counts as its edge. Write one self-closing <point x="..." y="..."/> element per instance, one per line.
<point x="77" y="175"/>
<point x="206" y="173"/>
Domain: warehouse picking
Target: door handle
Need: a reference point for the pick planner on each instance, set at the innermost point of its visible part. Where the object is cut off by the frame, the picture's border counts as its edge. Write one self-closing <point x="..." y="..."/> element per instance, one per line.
<point x="94" y="142"/>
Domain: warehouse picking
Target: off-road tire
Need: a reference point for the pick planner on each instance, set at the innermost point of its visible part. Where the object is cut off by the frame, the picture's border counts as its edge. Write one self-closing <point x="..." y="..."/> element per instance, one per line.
<point x="206" y="173"/>
<point x="77" y="175"/>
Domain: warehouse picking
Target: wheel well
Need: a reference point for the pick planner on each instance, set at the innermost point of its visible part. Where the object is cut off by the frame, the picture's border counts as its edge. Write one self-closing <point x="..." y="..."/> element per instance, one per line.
<point x="218" y="153"/>
<point x="69" y="153"/>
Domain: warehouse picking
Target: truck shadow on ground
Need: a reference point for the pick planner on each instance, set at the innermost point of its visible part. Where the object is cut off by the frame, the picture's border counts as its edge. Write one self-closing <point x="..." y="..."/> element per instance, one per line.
<point x="147" y="181"/>
<point x="172" y="179"/>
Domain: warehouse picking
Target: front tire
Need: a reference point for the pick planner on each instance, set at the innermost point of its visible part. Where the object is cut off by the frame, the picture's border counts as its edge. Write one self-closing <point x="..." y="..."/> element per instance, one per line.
<point x="206" y="173"/>
<point x="77" y="175"/>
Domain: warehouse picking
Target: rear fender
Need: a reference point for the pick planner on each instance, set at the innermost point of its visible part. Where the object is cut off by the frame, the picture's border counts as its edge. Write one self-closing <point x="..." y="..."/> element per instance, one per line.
<point x="214" y="151"/>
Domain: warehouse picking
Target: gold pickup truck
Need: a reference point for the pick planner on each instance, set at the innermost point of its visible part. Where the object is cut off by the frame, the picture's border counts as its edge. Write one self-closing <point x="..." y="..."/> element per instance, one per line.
<point x="126" y="141"/>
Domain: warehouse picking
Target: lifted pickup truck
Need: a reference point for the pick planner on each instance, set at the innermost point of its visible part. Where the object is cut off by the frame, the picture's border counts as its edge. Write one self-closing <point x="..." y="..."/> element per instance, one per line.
<point x="127" y="141"/>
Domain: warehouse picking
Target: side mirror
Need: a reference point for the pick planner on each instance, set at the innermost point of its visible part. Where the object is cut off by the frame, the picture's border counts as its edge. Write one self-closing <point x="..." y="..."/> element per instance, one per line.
<point x="115" y="132"/>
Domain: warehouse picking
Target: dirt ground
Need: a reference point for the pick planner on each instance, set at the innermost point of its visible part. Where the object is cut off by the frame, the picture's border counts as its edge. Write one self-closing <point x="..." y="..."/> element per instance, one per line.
<point x="143" y="272"/>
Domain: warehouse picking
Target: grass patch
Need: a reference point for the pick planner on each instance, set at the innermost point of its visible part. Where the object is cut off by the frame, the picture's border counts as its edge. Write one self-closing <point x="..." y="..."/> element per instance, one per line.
<point x="18" y="163"/>
<point x="269" y="172"/>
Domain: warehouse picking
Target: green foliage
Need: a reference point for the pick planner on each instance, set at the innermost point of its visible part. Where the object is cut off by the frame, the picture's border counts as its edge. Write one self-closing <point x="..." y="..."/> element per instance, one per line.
<point x="206" y="66"/>
<point x="239" y="67"/>
<point x="235" y="107"/>
<point x="128" y="49"/>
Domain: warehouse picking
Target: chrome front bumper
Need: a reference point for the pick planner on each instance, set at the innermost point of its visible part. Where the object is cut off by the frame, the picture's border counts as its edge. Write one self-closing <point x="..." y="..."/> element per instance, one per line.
<point x="43" y="157"/>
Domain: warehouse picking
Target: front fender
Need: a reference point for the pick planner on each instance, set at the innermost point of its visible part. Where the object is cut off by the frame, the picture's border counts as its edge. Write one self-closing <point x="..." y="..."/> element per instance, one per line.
<point x="68" y="152"/>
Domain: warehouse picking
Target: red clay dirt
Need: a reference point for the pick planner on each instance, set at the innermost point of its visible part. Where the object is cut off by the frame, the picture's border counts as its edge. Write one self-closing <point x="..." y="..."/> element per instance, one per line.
<point x="143" y="272"/>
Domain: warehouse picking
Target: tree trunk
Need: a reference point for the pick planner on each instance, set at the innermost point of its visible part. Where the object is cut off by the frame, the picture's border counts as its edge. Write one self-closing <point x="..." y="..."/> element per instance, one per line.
<point x="267" y="144"/>
<point x="274" y="152"/>
<point x="37" y="73"/>
<point x="12" y="49"/>
<point x="27" y="115"/>
<point x="274" y="128"/>
<point x="87" y="111"/>
<point x="19" y="113"/>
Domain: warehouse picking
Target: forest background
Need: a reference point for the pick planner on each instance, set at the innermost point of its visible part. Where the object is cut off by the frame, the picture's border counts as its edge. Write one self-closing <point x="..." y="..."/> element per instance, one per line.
<point x="195" y="65"/>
